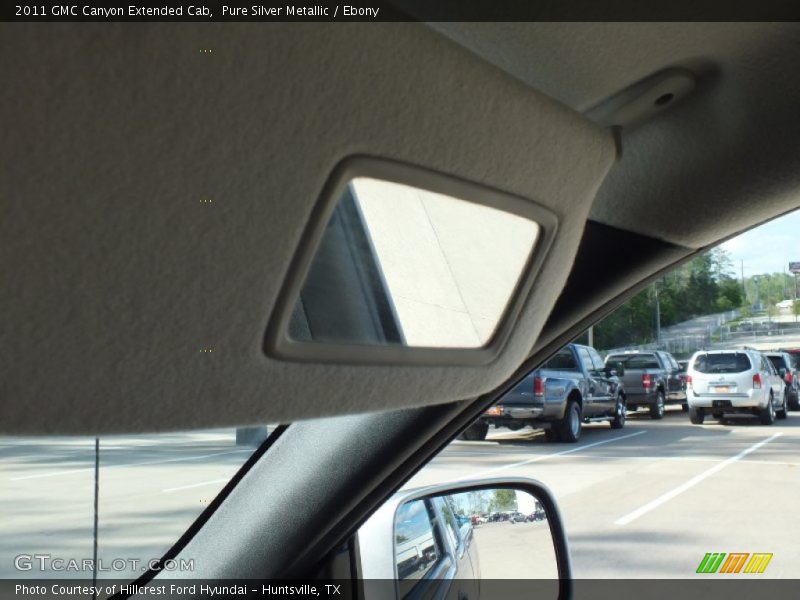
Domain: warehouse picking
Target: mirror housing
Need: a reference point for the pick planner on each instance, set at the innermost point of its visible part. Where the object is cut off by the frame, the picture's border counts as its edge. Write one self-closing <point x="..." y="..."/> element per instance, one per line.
<point x="378" y="570"/>
<point x="615" y="369"/>
<point x="782" y="372"/>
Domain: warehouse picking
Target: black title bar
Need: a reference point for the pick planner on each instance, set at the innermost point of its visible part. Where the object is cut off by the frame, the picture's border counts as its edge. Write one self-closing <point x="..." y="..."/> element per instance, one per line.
<point x="400" y="10"/>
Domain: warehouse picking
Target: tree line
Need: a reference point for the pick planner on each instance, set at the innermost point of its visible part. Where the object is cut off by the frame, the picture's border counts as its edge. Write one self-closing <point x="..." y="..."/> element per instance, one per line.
<point x="704" y="285"/>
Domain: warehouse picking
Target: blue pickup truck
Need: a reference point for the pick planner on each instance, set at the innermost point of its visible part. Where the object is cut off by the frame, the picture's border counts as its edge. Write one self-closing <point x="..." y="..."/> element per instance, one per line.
<point x="574" y="387"/>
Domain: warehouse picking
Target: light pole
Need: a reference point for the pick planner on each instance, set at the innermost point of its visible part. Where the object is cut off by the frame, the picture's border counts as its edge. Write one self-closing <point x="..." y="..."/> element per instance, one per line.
<point x="757" y="282"/>
<point x="744" y="287"/>
<point x="658" y="315"/>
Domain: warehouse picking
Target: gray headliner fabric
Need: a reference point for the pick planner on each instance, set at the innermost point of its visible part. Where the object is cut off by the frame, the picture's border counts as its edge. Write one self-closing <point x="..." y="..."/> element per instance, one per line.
<point x="116" y="275"/>
<point x="719" y="162"/>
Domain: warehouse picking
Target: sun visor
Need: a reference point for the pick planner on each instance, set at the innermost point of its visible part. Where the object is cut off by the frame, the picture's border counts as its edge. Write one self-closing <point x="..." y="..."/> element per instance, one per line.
<point x="164" y="205"/>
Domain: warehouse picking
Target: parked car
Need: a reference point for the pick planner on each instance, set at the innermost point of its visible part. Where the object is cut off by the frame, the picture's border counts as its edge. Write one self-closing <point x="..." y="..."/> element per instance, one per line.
<point x="652" y="379"/>
<point x="784" y="363"/>
<point x="734" y="381"/>
<point x="537" y="515"/>
<point x="794" y="353"/>
<point x="575" y="386"/>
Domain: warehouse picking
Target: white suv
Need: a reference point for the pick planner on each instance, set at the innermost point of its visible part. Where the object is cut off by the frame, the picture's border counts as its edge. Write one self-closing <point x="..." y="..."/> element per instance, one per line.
<point x="726" y="381"/>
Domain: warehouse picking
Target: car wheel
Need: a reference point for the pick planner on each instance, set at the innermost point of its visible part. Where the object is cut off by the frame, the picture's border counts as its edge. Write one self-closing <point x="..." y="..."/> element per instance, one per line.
<point x="696" y="415"/>
<point x="475" y="432"/>
<point x="657" y="407"/>
<point x="618" y="422"/>
<point x="767" y="415"/>
<point x="794" y="401"/>
<point x="782" y="413"/>
<point x="569" y="428"/>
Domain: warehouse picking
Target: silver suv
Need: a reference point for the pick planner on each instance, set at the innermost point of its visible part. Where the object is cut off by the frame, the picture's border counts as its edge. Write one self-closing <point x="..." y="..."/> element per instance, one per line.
<point x="726" y="381"/>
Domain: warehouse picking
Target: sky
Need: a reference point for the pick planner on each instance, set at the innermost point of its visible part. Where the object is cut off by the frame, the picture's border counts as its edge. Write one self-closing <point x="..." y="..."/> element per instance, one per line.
<point x="767" y="248"/>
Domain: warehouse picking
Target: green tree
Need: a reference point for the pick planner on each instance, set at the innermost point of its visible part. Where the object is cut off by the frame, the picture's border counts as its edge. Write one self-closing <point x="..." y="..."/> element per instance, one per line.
<point x="503" y="500"/>
<point x="632" y="323"/>
<point x="702" y="284"/>
<point x="721" y="263"/>
<point x="730" y="294"/>
<point x="771" y="310"/>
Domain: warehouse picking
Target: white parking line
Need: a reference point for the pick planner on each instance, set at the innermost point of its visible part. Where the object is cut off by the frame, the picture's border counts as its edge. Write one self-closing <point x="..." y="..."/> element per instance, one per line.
<point x="543" y="457"/>
<point x="449" y="454"/>
<point x="775" y="463"/>
<point x="125" y="465"/>
<point x="646" y="508"/>
<point x="194" y="485"/>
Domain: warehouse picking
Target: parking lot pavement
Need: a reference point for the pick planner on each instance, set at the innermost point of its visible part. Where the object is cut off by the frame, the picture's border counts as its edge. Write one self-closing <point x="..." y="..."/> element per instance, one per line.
<point x="650" y="500"/>
<point x="151" y="488"/>
<point x="516" y="550"/>
<point x="645" y="501"/>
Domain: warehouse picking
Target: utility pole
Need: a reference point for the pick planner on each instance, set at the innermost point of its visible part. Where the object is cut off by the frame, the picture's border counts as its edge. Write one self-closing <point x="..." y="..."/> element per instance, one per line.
<point x="590" y="333"/>
<point x="744" y="288"/>
<point x="783" y="285"/>
<point x="658" y="315"/>
<point x="757" y="281"/>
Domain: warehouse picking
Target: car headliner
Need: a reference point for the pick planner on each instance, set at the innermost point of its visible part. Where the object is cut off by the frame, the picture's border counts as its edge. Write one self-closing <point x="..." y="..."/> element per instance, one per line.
<point x="116" y="275"/>
<point x="722" y="160"/>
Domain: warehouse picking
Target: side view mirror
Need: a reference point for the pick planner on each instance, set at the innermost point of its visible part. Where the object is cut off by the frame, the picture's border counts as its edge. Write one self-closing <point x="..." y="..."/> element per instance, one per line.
<point x="494" y="538"/>
<point x="615" y="369"/>
<point x="782" y="372"/>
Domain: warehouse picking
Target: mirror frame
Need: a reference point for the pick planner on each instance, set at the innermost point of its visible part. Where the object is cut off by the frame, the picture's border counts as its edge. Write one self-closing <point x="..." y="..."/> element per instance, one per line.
<point x="277" y="342"/>
<point x="531" y="486"/>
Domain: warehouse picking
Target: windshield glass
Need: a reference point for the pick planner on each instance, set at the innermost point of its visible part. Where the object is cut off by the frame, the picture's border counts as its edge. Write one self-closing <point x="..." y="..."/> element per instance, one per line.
<point x="656" y="465"/>
<point x="149" y="489"/>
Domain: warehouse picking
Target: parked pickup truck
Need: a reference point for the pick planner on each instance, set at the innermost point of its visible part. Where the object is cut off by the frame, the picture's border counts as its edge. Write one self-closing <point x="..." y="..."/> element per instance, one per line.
<point x="652" y="379"/>
<point x="575" y="386"/>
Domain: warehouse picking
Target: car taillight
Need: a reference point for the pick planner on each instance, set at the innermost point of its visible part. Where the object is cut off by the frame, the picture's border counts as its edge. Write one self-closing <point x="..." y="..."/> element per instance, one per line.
<point x="646" y="381"/>
<point x="757" y="381"/>
<point x="788" y="378"/>
<point x="688" y="380"/>
<point x="538" y="386"/>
